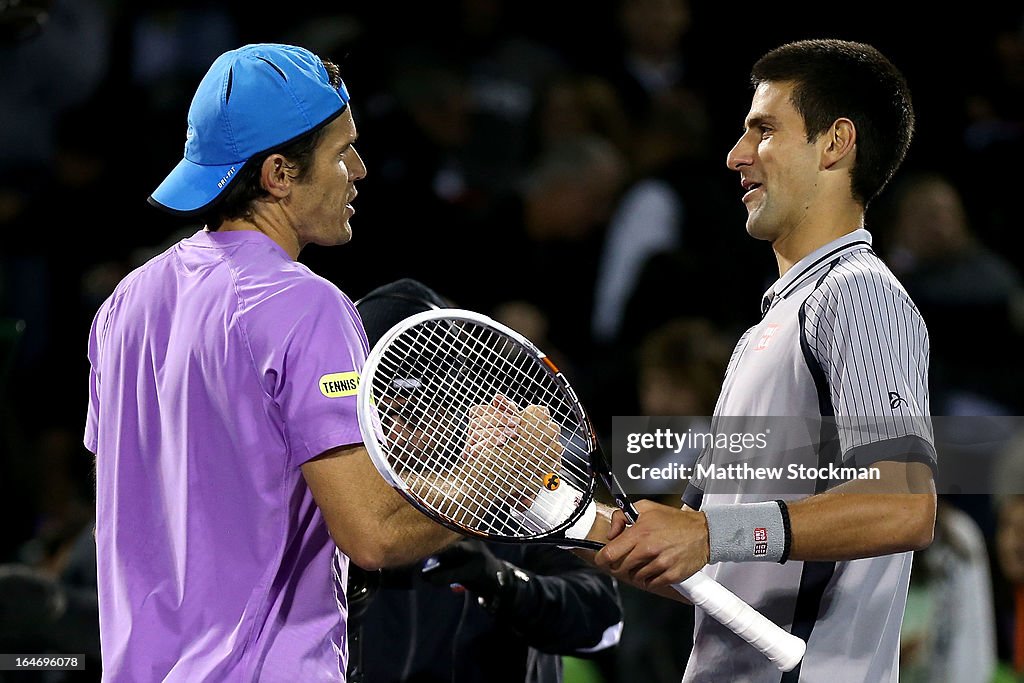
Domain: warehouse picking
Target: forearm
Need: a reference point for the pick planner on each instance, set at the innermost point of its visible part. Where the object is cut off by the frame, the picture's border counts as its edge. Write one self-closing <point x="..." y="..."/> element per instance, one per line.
<point x="368" y="520"/>
<point x="866" y="518"/>
<point x="855" y="520"/>
<point x="406" y="534"/>
<point x="848" y="526"/>
<point x="454" y="494"/>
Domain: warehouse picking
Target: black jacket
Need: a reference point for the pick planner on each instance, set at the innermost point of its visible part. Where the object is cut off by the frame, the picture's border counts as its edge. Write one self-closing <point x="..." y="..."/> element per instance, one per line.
<point x="415" y="632"/>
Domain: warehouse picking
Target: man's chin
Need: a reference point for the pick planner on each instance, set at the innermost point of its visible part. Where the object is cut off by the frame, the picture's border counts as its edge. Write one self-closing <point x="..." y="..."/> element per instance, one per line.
<point x="342" y="236"/>
<point x="758" y="230"/>
<point x="345" y="236"/>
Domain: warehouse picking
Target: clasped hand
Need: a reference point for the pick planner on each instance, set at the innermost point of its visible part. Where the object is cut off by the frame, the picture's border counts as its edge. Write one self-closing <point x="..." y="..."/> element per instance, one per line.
<point x="519" y="446"/>
<point x="666" y="545"/>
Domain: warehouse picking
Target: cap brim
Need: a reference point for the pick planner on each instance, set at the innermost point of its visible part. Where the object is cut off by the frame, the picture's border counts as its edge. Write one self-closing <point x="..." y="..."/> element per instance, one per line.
<point x="192" y="188"/>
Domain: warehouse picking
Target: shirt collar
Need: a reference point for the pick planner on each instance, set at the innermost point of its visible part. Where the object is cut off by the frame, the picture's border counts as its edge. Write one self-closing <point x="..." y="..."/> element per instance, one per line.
<point x="779" y="290"/>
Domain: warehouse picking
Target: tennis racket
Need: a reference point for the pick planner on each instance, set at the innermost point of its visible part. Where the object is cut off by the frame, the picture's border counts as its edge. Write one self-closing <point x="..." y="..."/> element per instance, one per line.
<point x="480" y="431"/>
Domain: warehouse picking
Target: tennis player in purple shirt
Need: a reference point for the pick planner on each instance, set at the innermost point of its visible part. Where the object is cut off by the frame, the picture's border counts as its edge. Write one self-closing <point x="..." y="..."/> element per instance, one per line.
<point x="222" y="405"/>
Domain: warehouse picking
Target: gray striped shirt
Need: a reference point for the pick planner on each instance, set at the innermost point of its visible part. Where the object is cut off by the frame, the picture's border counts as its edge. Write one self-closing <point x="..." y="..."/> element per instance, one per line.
<point x="840" y="339"/>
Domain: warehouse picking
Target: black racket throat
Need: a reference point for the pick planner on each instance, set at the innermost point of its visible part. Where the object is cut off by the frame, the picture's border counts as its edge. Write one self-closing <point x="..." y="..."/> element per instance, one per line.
<point x="600" y="466"/>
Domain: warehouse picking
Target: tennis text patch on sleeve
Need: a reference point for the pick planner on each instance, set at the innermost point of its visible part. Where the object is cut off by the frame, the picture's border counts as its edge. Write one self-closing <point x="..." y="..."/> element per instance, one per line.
<point x="338" y="384"/>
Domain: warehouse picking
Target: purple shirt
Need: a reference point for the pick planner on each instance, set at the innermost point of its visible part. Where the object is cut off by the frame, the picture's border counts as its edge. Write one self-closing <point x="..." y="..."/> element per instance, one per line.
<point x="218" y="368"/>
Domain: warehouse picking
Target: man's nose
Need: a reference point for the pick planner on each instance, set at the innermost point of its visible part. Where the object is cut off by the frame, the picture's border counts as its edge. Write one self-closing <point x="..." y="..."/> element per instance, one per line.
<point x="741" y="154"/>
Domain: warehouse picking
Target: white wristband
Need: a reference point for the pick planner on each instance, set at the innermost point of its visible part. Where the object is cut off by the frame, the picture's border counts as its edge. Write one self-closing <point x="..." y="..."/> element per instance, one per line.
<point x="552" y="508"/>
<point x="581" y="527"/>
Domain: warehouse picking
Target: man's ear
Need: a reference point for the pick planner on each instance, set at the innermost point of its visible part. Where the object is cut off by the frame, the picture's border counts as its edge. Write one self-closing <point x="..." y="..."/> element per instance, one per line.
<point x="839" y="143"/>
<point x="277" y="175"/>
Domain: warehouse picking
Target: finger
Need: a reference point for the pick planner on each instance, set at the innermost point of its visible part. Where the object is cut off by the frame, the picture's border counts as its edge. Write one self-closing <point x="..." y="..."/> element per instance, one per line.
<point x="486" y="434"/>
<point x="511" y="425"/>
<point x="476" y="422"/>
<point x="495" y="417"/>
<point x="541" y="412"/>
<point x="618" y="524"/>
<point x="677" y="572"/>
<point x="487" y="424"/>
<point x="649" y="572"/>
<point x="482" y="415"/>
<point x="539" y="426"/>
<point x="493" y="437"/>
<point x="504" y="404"/>
<point x="530" y="431"/>
<point x="478" y="409"/>
<point x="533" y="419"/>
<point x="615" y="552"/>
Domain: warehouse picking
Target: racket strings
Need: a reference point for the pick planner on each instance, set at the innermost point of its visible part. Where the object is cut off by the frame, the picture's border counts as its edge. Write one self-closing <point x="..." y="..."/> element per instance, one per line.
<point x="495" y="382"/>
<point x="499" y="383"/>
<point x="432" y="455"/>
<point x="439" y="494"/>
<point x="441" y="497"/>
<point x="434" y="374"/>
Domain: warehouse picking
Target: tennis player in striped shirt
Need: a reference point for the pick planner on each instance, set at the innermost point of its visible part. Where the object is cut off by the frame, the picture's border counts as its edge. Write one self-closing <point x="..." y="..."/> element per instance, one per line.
<point x="840" y="343"/>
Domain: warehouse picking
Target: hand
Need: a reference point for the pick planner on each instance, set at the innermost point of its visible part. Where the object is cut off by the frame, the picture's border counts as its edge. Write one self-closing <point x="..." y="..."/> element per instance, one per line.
<point x="470" y="564"/>
<point x="665" y="546"/>
<point x="492" y="424"/>
<point x="524" y="445"/>
<point x="539" y="433"/>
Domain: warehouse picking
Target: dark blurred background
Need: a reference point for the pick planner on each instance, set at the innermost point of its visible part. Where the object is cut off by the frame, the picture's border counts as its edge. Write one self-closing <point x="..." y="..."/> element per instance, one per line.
<point x="560" y="165"/>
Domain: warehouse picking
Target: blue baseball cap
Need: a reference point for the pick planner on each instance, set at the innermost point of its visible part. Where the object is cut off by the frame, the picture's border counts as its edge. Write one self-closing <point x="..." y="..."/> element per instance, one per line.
<point x="252" y="100"/>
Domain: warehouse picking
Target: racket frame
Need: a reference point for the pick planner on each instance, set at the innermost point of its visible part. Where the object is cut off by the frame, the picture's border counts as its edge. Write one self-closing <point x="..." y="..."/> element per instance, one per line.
<point x="372" y="432"/>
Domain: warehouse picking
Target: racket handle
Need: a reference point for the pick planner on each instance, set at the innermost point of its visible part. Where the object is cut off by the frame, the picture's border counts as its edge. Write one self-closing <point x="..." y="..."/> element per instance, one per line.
<point x="783" y="648"/>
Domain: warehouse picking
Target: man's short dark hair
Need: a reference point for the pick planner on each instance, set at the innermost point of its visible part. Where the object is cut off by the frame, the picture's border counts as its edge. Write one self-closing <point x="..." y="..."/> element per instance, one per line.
<point x="838" y="79"/>
<point x="237" y="201"/>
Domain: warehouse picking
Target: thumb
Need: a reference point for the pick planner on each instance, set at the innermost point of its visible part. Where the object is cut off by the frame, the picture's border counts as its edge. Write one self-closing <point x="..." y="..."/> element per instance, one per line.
<point x="618" y="524"/>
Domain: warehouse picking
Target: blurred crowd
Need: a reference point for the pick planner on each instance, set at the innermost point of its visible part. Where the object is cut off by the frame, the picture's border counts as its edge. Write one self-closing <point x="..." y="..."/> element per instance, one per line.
<point x="557" y="165"/>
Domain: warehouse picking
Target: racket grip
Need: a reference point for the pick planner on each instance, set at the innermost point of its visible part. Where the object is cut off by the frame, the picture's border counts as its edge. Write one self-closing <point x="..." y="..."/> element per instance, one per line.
<point x="783" y="648"/>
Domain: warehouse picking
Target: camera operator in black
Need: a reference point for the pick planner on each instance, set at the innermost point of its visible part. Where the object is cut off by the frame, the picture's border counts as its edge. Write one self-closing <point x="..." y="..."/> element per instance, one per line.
<point x="486" y="612"/>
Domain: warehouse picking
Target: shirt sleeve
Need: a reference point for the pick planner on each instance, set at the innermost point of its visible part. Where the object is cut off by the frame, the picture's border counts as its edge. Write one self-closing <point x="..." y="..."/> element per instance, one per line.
<point x="310" y="348"/>
<point x="868" y="349"/>
<point x="97" y="330"/>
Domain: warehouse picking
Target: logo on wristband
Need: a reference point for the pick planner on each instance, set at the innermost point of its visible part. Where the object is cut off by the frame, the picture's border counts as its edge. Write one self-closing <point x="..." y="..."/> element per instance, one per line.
<point x="760" y="542"/>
